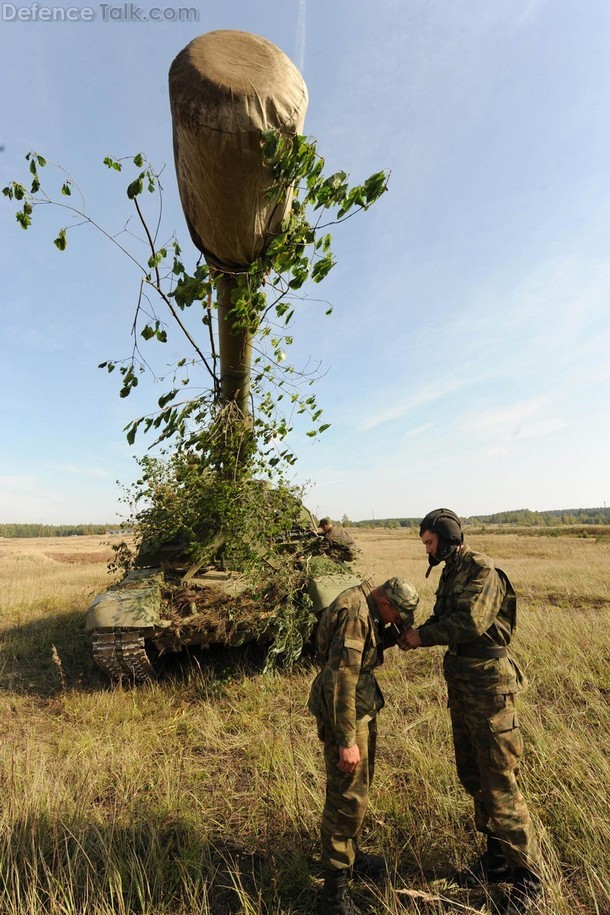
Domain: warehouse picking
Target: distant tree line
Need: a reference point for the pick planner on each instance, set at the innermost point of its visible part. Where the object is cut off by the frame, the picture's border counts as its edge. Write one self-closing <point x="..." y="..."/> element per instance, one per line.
<point x="53" y="530"/>
<point x="386" y="522"/>
<point x="521" y="517"/>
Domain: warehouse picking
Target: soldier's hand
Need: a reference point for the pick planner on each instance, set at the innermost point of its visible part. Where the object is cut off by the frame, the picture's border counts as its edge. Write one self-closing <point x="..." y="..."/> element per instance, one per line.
<point x="409" y="639"/>
<point x="349" y="757"/>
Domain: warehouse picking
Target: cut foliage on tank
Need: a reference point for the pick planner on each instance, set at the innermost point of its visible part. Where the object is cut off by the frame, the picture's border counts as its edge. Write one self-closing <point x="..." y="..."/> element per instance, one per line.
<point x="230" y="563"/>
<point x="223" y="550"/>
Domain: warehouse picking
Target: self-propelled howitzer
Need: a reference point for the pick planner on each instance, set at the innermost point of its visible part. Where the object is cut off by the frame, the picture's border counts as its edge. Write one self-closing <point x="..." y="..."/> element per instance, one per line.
<point x="226" y="89"/>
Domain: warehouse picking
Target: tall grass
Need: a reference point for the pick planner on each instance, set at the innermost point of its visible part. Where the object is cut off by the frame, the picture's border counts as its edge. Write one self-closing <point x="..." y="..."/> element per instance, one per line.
<point x="202" y="792"/>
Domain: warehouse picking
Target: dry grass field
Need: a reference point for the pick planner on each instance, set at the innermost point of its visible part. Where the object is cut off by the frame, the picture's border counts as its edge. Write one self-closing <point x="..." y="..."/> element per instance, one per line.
<point x="202" y="792"/>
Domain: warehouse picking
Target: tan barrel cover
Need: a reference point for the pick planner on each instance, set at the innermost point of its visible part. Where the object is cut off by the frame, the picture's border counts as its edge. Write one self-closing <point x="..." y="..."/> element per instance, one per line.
<point x="225" y="88"/>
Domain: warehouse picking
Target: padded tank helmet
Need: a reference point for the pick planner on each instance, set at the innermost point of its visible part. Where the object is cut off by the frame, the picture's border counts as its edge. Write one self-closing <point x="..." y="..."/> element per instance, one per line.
<point x="446" y="525"/>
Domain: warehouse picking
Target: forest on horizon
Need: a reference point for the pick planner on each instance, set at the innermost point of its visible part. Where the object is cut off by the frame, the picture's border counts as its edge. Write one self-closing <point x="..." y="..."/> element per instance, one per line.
<point x="521" y="517"/>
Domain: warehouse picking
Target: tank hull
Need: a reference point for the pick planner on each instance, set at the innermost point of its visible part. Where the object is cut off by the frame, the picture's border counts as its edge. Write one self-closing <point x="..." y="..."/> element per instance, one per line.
<point x="132" y="627"/>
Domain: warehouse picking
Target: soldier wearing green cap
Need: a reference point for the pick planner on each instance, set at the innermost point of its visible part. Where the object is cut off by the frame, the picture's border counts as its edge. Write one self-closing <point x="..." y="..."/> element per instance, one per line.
<point x="345" y="698"/>
<point x="474" y="616"/>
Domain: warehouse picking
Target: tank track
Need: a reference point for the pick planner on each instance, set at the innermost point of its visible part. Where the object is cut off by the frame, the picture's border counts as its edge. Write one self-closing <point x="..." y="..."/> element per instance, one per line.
<point x="121" y="653"/>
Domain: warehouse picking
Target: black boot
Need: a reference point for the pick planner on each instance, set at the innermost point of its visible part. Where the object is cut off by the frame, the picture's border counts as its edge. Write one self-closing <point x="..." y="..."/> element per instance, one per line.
<point x="335" y="898"/>
<point x="525" y="892"/>
<point x="370" y="867"/>
<point x="491" y="867"/>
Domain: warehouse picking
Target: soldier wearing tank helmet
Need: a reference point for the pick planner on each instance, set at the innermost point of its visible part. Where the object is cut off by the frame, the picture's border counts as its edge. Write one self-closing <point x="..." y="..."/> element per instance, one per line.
<point x="474" y="616"/>
<point x="345" y="697"/>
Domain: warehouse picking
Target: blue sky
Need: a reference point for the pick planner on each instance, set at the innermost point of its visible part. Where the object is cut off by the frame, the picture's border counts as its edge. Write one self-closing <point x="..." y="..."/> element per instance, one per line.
<point x="466" y="359"/>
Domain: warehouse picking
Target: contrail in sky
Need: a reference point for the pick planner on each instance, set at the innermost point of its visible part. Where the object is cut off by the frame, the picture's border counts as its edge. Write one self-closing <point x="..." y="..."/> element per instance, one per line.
<point x="300" y="54"/>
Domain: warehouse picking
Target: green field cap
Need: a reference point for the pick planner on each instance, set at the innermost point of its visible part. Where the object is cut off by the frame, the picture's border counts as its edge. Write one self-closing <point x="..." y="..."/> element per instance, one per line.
<point x="403" y="596"/>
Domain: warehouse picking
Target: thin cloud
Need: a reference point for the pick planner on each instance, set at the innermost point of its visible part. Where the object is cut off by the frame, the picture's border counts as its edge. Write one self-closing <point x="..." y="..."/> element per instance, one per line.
<point x="419" y="430"/>
<point x="597" y="374"/>
<point x="515" y="423"/>
<point x="543" y="427"/>
<point x="426" y="395"/>
<point x="558" y="308"/>
<point x="97" y="472"/>
<point x="12" y="482"/>
<point x="26" y="499"/>
<point x="509" y="417"/>
<point x="531" y="8"/>
<point x="301" y="34"/>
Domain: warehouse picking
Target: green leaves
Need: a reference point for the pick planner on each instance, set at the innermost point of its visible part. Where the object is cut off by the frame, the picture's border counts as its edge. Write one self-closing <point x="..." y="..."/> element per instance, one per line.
<point x="166" y="398"/>
<point x="270" y="143"/>
<point x="16" y="191"/>
<point x="23" y="216"/>
<point x="298" y="169"/>
<point x="322" y="268"/>
<point x="60" y="242"/>
<point x="190" y="289"/>
<point x="35" y="159"/>
<point x="155" y="259"/>
<point x="264" y="300"/>
<point x="19" y="191"/>
<point x="136" y="187"/>
<point x="130" y="379"/>
<point x="156" y="331"/>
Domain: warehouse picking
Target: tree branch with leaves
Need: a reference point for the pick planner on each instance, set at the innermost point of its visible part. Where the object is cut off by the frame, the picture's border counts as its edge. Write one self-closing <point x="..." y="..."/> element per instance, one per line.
<point x="248" y="312"/>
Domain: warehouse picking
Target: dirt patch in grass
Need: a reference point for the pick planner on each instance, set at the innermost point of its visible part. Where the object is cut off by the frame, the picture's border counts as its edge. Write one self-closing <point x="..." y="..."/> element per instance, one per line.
<point x="576" y="601"/>
<point x="80" y="558"/>
<point x="562" y="601"/>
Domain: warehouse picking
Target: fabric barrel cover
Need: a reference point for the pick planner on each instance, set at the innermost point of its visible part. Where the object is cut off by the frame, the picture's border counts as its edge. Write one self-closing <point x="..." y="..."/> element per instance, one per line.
<point x="225" y="88"/>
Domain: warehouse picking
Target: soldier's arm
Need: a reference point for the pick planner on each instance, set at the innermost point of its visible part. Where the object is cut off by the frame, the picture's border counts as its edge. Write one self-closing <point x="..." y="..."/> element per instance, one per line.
<point x="349" y="544"/>
<point x="473" y="613"/>
<point x="431" y="621"/>
<point x="342" y="672"/>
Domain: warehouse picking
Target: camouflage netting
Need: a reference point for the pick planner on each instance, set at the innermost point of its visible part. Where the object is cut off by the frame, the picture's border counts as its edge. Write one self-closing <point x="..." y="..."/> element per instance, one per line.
<point x="206" y="617"/>
<point x="276" y="612"/>
<point x="226" y="87"/>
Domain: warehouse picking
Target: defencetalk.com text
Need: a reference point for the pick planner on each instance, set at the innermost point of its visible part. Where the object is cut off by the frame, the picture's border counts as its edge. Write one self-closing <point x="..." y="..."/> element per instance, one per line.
<point x="125" y="12"/>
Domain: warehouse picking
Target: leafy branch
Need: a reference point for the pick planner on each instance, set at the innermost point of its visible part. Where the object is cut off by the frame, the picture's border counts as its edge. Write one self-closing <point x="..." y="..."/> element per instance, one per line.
<point x="263" y="298"/>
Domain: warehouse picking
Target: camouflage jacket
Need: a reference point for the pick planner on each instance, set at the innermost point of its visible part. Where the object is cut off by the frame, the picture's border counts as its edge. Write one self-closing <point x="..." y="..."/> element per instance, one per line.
<point x="475" y="605"/>
<point x="339" y="545"/>
<point x="350" y="647"/>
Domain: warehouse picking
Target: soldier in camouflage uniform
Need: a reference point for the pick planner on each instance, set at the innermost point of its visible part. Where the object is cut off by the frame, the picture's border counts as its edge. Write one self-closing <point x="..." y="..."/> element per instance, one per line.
<point x="475" y="615"/>
<point x="345" y="698"/>
<point x="337" y="543"/>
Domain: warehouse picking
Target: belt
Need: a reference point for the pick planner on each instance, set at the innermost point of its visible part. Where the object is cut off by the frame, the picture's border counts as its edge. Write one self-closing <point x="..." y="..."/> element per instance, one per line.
<point x="471" y="651"/>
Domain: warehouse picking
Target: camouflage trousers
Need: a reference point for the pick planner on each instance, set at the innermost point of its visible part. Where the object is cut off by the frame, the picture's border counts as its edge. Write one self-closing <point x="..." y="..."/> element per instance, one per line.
<point x="488" y="747"/>
<point x="346" y="797"/>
